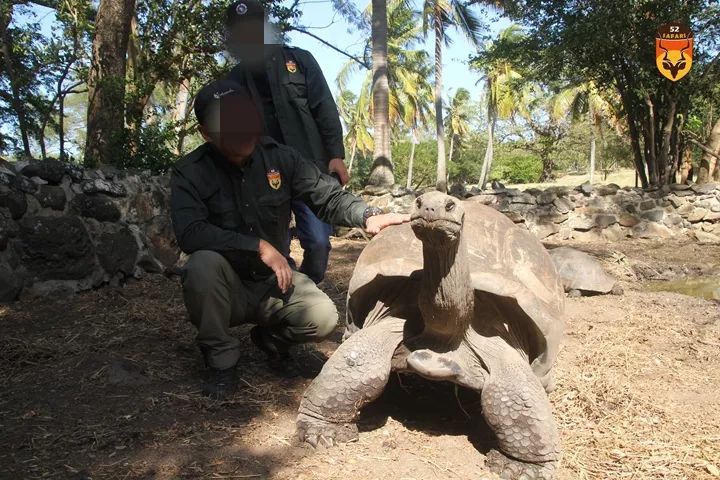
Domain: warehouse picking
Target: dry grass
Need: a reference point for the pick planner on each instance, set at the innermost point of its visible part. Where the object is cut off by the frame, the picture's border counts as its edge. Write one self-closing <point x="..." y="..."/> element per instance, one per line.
<point x="105" y="385"/>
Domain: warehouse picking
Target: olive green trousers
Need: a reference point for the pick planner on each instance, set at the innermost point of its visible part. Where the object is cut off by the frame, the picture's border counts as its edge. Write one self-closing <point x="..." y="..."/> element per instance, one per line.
<point x="217" y="299"/>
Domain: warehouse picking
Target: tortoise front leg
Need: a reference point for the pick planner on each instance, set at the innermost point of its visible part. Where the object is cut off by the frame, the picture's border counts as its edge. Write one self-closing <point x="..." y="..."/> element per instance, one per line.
<point x="517" y="409"/>
<point x="353" y="376"/>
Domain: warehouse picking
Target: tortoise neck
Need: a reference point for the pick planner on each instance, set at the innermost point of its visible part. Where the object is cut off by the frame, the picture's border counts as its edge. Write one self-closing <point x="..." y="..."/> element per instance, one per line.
<point x="446" y="298"/>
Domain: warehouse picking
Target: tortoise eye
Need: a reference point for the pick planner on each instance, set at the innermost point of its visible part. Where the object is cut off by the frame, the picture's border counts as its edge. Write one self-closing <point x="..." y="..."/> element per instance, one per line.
<point x="449" y="206"/>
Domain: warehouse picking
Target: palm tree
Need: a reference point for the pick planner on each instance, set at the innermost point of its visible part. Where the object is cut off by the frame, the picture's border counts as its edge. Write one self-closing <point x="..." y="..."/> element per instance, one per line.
<point x="502" y="95"/>
<point x="442" y="14"/>
<point x="409" y="91"/>
<point x="382" y="170"/>
<point x="355" y="114"/>
<point x="458" y="118"/>
<point x="408" y="79"/>
<point x="580" y="100"/>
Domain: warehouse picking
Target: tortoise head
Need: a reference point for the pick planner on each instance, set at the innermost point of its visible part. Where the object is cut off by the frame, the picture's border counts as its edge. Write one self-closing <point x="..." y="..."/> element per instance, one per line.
<point x="437" y="219"/>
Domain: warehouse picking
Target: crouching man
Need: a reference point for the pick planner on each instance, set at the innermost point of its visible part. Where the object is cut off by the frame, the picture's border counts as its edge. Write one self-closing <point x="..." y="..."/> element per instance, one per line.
<point x="230" y="202"/>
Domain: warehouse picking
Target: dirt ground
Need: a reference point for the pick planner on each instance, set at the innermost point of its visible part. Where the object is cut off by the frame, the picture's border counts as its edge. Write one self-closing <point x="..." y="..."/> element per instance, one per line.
<point x="105" y="385"/>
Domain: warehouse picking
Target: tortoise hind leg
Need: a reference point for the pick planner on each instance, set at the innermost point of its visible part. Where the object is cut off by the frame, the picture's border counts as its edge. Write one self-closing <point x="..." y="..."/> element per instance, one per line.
<point x="355" y="375"/>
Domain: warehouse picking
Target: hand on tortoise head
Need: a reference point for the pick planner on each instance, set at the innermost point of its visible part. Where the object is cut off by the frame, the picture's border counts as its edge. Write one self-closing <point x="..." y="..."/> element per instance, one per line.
<point x="377" y="222"/>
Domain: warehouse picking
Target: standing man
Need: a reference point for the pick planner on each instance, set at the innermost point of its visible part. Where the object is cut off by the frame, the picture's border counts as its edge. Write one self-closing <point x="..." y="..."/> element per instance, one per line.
<point x="298" y="110"/>
<point x="230" y="200"/>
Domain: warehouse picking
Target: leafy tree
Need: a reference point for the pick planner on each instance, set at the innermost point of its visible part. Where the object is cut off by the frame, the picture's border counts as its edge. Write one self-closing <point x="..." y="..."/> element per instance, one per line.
<point x="106" y="82"/>
<point x="409" y="92"/>
<point x="610" y="43"/>
<point x="584" y="100"/>
<point x="441" y="15"/>
<point x="502" y="92"/>
<point x="354" y="113"/>
<point x="458" y="118"/>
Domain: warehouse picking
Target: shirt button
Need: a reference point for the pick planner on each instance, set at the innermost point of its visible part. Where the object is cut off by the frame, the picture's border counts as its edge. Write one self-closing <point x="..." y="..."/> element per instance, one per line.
<point x="247" y="205"/>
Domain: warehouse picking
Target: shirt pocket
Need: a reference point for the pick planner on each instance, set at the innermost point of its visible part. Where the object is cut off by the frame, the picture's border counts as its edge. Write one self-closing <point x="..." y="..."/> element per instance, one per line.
<point x="275" y="207"/>
<point x="222" y="211"/>
<point x="297" y="87"/>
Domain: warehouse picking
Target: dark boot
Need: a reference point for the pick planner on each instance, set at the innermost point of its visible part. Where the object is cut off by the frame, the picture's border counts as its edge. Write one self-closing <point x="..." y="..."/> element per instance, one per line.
<point x="276" y="349"/>
<point x="221" y="384"/>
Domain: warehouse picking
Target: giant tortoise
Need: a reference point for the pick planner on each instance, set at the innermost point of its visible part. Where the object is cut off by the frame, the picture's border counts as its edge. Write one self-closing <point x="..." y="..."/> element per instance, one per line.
<point x="463" y="295"/>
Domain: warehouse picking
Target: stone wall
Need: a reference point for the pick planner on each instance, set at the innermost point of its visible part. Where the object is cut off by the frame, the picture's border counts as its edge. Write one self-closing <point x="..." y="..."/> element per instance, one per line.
<point x="599" y="213"/>
<point x="66" y="229"/>
<point x="63" y="228"/>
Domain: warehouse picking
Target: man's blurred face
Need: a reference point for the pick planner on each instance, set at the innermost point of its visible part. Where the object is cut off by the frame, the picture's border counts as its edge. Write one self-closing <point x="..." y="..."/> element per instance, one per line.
<point x="245" y="39"/>
<point x="234" y="126"/>
<point x="247" y="36"/>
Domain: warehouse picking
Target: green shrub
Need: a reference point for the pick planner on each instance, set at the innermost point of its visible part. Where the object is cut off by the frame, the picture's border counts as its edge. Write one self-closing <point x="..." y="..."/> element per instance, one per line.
<point x="516" y="167"/>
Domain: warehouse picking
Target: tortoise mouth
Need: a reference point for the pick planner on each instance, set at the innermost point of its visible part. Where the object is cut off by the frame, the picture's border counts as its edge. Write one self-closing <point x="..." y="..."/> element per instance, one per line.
<point x="445" y="227"/>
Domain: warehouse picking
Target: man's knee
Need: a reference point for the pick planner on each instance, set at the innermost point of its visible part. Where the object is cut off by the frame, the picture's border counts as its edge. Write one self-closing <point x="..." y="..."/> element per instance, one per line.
<point x="324" y="317"/>
<point x="203" y="270"/>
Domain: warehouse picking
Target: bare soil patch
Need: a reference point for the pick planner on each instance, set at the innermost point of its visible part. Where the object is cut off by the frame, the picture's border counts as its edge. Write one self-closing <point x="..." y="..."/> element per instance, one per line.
<point x="105" y="385"/>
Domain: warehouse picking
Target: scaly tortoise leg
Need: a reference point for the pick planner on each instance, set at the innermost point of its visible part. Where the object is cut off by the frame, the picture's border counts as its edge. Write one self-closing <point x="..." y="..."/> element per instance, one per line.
<point x="517" y="409"/>
<point x="355" y="375"/>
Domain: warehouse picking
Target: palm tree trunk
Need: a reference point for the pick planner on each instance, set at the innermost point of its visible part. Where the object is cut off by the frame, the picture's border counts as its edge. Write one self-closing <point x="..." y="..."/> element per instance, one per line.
<point x="106" y="82"/>
<point x="487" y="162"/>
<point x="441" y="183"/>
<point x="352" y="157"/>
<point x="410" y="162"/>
<point x="382" y="170"/>
<point x="452" y="146"/>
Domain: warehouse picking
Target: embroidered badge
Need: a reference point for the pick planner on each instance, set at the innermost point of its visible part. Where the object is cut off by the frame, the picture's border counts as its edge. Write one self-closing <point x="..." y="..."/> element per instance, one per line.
<point x="291" y="66"/>
<point x="241" y="9"/>
<point x="274" y="179"/>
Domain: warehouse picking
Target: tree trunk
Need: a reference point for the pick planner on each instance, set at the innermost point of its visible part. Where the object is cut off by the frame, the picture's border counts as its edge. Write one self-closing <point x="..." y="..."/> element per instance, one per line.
<point x="106" y="82"/>
<point x="631" y="113"/>
<point x="16" y="102"/>
<point x="179" y="115"/>
<point x="382" y="169"/>
<point x="487" y="162"/>
<point x="664" y="160"/>
<point x="452" y="146"/>
<point x="686" y="167"/>
<point x="591" y="114"/>
<point x="410" y="162"/>
<point x="441" y="182"/>
<point x="548" y="165"/>
<point x="651" y="157"/>
<point x="352" y="158"/>
<point x="708" y="162"/>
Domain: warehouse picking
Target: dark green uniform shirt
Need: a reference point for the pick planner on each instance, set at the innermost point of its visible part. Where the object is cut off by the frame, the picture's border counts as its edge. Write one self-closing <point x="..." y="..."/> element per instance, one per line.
<point x="218" y="206"/>
<point x="297" y="105"/>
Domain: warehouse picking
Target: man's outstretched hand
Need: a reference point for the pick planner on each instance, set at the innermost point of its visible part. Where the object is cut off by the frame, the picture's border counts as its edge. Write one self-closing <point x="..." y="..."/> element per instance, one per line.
<point x="337" y="166"/>
<point x="277" y="262"/>
<point x="377" y="222"/>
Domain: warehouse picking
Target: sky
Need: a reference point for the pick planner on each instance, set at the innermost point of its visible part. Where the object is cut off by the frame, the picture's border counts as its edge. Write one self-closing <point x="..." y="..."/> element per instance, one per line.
<point x="320" y="18"/>
<point x="322" y="21"/>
